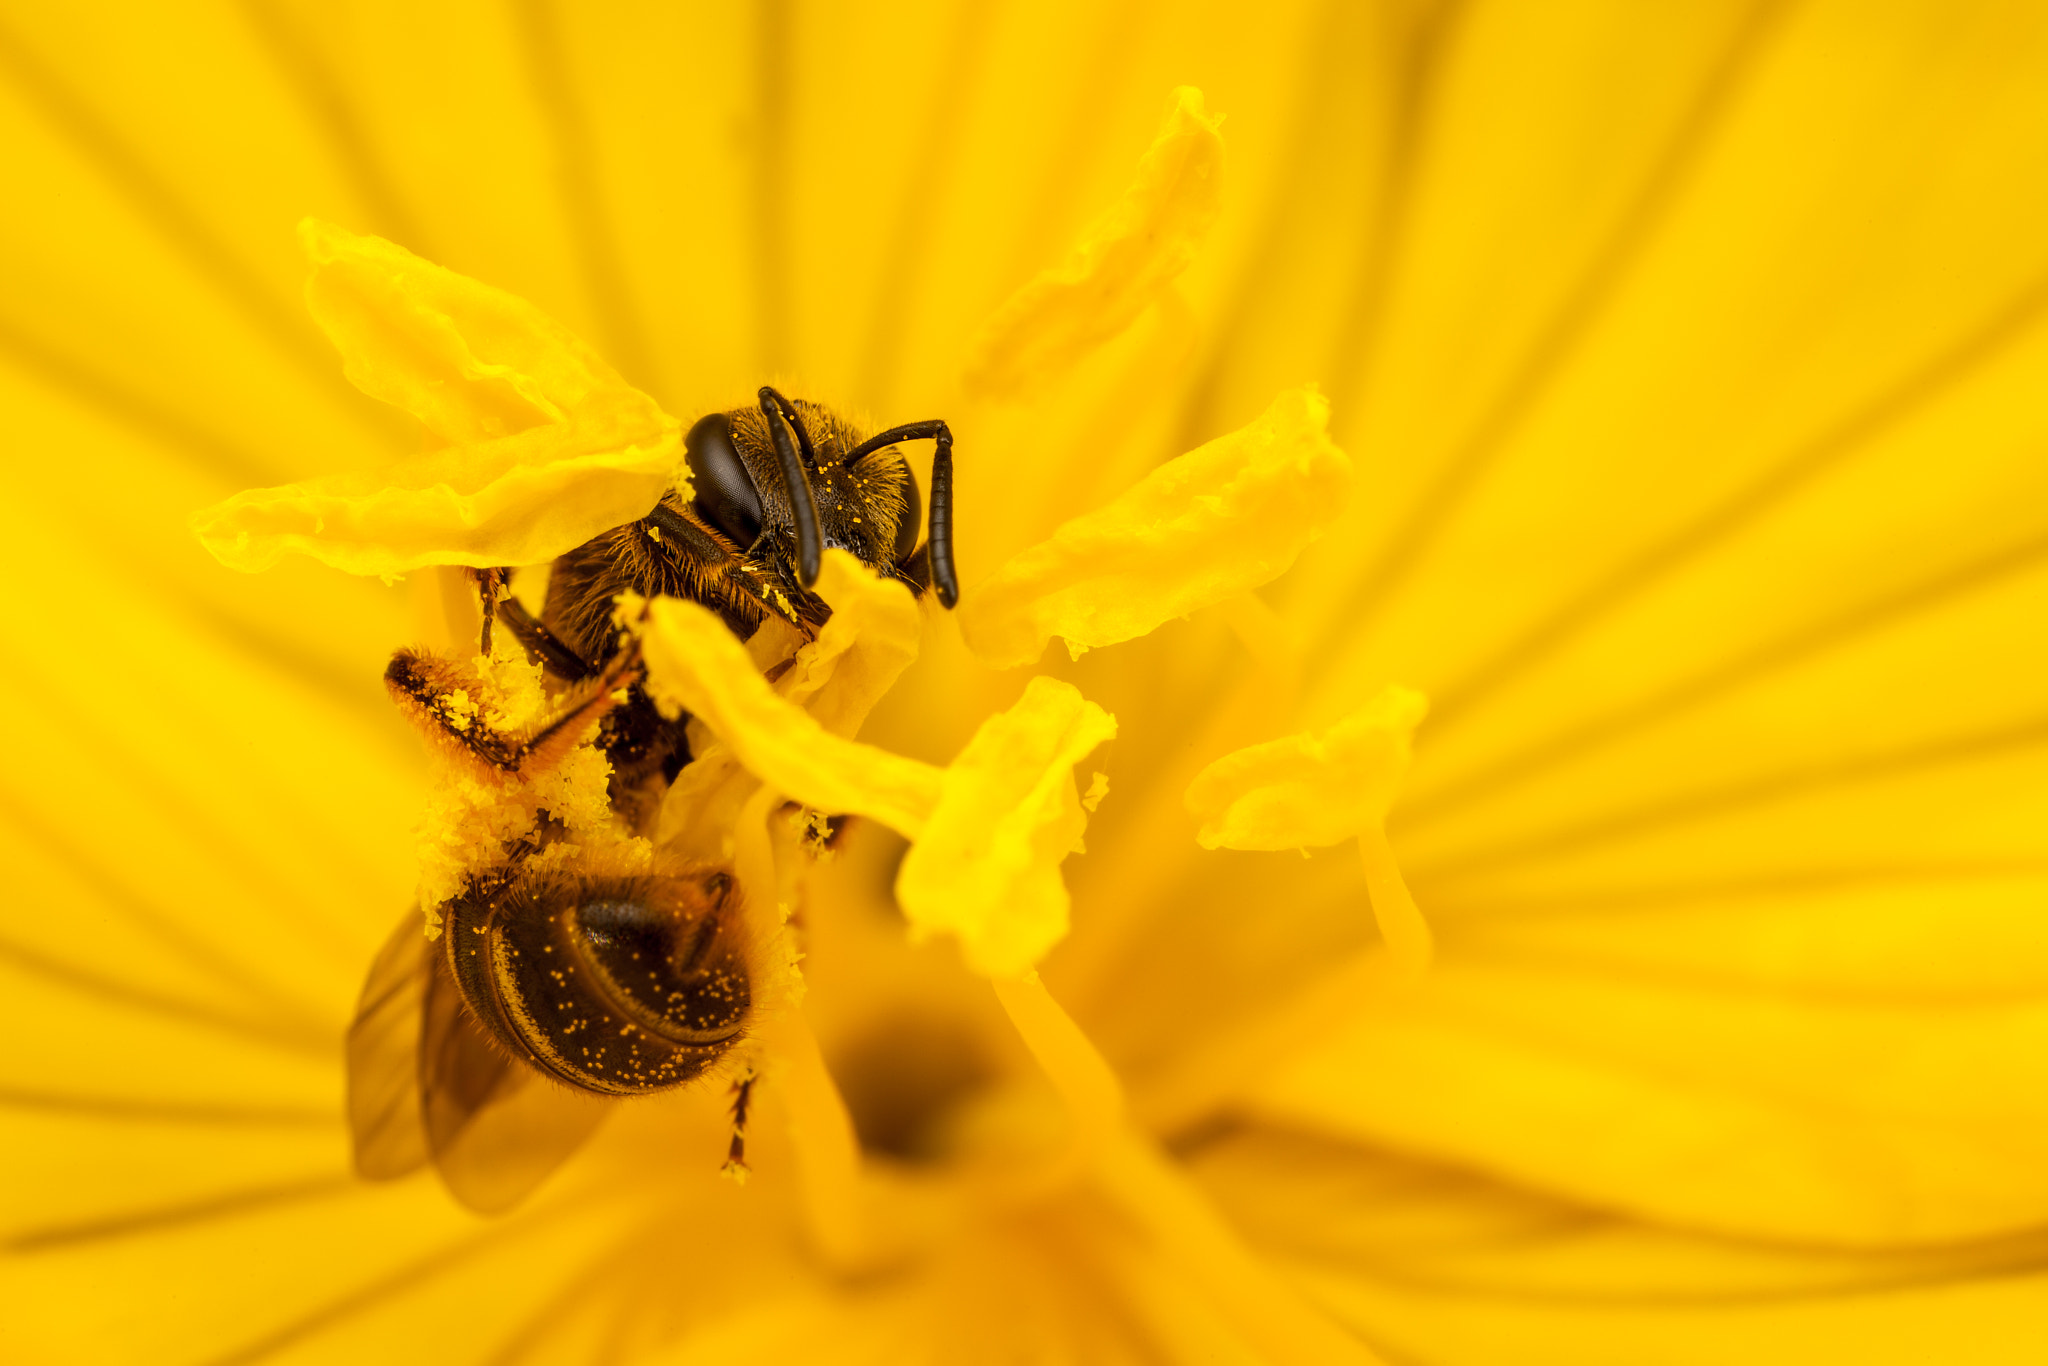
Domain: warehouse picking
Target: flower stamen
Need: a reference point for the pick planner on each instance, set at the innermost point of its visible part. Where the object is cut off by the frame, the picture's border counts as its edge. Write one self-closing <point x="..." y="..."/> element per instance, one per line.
<point x="1401" y="922"/>
<point x="1319" y="789"/>
<point x="1206" y="526"/>
<point x="1093" y="1096"/>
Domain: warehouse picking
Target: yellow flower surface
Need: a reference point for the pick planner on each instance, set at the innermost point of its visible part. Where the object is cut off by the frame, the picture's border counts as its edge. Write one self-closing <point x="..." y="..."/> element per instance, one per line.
<point x="1655" y="389"/>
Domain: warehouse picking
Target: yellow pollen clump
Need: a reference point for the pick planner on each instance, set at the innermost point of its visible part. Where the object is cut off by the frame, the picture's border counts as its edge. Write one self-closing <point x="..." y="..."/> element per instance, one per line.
<point x="458" y="708"/>
<point x="470" y="820"/>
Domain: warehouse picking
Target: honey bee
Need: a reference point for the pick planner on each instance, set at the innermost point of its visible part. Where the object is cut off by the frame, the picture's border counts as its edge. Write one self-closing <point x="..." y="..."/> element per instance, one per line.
<point x="568" y="975"/>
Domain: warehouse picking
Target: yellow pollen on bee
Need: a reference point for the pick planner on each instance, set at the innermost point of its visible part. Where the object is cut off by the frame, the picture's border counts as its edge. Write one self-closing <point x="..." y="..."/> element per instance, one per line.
<point x="459" y="709"/>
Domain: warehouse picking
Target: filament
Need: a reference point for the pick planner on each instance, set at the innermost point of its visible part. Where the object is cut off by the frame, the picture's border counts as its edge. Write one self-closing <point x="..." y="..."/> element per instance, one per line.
<point x="1401" y="924"/>
<point x="1093" y="1096"/>
<point x="827" y="1149"/>
<point x="820" y="1129"/>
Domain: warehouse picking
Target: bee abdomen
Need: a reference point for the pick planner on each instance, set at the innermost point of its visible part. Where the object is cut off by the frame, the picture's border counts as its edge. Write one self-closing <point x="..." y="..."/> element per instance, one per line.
<point x="620" y="985"/>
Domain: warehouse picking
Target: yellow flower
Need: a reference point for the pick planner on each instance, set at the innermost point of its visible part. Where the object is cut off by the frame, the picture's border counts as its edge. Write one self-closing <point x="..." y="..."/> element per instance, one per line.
<point x="1688" y="360"/>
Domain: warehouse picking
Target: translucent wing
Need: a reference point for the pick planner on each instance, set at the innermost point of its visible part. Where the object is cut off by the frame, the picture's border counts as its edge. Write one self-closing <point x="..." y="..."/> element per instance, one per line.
<point x="383" y="1057"/>
<point x="495" y="1126"/>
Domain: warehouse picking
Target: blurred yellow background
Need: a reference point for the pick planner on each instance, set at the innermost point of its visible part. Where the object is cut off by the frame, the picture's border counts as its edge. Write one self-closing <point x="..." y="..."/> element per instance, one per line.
<point x="1692" y="359"/>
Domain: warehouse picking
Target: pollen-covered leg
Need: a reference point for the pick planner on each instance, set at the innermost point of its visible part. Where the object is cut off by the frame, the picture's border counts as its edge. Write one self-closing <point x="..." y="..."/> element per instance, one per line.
<point x="735" y="1168"/>
<point x="541" y="643"/>
<point x="490" y="587"/>
<point x="447" y="701"/>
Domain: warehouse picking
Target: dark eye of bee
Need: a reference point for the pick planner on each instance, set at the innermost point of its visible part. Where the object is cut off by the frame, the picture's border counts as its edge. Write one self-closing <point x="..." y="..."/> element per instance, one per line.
<point x="725" y="493"/>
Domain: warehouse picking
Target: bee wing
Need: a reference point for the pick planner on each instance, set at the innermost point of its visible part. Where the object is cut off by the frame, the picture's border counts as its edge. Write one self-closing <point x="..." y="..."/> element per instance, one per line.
<point x="495" y="1126"/>
<point x="383" y="1058"/>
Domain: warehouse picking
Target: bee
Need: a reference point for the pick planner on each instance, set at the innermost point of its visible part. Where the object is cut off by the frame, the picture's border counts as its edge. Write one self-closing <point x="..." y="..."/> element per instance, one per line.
<point x="569" y="974"/>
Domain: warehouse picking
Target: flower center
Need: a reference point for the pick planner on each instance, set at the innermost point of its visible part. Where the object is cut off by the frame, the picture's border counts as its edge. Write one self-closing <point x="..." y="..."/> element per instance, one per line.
<point x="904" y="1078"/>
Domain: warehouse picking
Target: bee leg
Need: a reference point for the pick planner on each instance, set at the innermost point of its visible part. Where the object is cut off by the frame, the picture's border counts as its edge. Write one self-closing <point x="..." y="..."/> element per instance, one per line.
<point x="689" y="543"/>
<point x="939" y="540"/>
<point x="577" y="712"/>
<point x="556" y="657"/>
<point x="438" y="695"/>
<point x="490" y="585"/>
<point x="736" y="1153"/>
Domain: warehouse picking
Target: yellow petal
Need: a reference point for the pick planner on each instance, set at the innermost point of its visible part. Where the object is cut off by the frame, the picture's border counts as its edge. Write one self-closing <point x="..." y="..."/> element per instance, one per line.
<point x="1414" y="1254"/>
<point x="550" y="446"/>
<point x="987" y="867"/>
<point x="472" y="362"/>
<point x="695" y="664"/>
<point x="1309" y="790"/>
<point x="1122" y="263"/>
<point x="1225" y="517"/>
<point x="1746" y="1105"/>
<point x="858" y="655"/>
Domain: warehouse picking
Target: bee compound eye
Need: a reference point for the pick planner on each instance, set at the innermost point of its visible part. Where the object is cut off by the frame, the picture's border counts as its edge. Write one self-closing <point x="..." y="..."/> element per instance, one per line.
<point x="724" y="493"/>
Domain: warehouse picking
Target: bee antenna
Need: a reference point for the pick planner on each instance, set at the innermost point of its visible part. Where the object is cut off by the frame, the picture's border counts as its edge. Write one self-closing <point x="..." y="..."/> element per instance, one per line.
<point x="939" y="540"/>
<point x="795" y="419"/>
<point x="782" y="420"/>
<point x="939" y="536"/>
